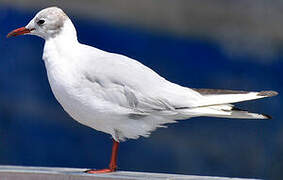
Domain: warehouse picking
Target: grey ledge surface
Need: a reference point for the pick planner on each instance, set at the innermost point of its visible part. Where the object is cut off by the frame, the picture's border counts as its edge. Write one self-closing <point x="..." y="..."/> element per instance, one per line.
<point x="51" y="173"/>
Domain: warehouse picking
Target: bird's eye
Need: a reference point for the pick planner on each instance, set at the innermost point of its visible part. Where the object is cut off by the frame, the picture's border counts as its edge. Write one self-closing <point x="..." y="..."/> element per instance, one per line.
<point x="40" y="22"/>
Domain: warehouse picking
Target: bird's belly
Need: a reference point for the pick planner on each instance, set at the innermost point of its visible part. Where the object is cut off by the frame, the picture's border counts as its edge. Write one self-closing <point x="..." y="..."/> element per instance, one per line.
<point x="87" y="104"/>
<point x="77" y="101"/>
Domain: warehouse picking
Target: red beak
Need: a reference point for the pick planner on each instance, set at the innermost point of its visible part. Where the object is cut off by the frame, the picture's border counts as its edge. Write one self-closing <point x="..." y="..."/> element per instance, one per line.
<point x="18" y="31"/>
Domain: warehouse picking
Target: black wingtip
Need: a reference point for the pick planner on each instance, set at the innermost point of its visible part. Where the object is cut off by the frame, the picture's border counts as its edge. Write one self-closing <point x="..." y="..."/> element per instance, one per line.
<point x="267" y="116"/>
<point x="264" y="115"/>
<point x="237" y="109"/>
<point x="268" y="93"/>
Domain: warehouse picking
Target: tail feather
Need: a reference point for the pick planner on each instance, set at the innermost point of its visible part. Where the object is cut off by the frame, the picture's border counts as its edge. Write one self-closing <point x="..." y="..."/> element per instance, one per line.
<point x="218" y="103"/>
<point x="224" y="111"/>
<point x="242" y="114"/>
<point x="218" y="97"/>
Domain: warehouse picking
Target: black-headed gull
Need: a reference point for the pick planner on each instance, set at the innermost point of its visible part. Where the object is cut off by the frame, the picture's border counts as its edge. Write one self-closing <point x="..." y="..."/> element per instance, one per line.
<point x="116" y="94"/>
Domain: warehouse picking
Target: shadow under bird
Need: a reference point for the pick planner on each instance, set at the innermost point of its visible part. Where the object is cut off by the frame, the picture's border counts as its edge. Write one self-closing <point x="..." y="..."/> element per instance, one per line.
<point x="118" y="95"/>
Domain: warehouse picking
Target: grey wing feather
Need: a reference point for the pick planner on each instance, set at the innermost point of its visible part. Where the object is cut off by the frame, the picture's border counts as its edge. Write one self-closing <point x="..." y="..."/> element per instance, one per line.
<point x="203" y="91"/>
<point x="218" y="91"/>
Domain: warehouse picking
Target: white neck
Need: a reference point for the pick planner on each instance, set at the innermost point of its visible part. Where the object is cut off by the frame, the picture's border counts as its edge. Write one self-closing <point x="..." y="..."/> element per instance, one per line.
<point x="62" y="43"/>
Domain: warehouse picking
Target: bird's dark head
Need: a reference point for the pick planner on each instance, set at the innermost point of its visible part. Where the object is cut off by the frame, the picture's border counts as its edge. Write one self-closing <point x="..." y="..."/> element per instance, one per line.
<point x="46" y="23"/>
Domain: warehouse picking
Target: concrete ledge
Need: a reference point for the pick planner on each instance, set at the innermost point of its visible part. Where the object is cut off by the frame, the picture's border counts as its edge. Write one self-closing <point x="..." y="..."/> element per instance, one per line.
<point x="48" y="173"/>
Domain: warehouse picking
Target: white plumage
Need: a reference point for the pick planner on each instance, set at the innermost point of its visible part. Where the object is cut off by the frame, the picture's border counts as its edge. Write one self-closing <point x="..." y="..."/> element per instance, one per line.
<point x="116" y="94"/>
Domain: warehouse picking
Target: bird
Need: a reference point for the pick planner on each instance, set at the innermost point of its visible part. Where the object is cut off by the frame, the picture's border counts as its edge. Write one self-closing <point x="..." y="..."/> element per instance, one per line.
<point x="118" y="95"/>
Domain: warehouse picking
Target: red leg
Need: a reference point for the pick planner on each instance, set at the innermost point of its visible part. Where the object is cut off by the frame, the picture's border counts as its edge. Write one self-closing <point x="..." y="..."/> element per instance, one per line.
<point x="113" y="161"/>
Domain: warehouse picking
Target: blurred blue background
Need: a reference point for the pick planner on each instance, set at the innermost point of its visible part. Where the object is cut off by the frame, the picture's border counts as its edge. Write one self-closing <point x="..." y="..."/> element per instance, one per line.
<point x="202" y="44"/>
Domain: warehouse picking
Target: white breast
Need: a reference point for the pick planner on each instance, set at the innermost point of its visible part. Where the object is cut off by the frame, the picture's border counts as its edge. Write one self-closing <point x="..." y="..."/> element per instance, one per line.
<point x="67" y="84"/>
